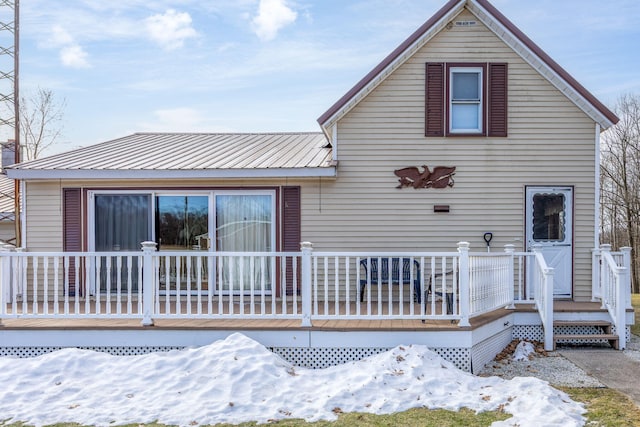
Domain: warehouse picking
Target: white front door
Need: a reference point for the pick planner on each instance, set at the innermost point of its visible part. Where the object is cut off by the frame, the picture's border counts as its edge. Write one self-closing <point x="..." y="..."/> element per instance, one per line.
<point x="549" y="223"/>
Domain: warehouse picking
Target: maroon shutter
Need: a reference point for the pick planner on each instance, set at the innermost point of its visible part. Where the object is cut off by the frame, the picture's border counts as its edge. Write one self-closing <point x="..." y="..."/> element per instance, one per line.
<point x="434" y="99"/>
<point x="497" y="94"/>
<point x="291" y="233"/>
<point x="72" y="231"/>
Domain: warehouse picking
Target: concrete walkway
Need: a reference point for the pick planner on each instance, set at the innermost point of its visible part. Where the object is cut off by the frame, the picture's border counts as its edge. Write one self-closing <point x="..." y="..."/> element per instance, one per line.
<point x="611" y="367"/>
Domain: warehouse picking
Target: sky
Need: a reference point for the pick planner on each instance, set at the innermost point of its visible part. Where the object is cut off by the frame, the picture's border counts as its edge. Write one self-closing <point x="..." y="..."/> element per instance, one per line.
<point x="130" y="66"/>
<point x="238" y="380"/>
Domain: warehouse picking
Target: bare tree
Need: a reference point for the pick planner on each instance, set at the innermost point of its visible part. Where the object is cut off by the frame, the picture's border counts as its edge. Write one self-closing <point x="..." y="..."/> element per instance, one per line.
<point x="620" y="181"/>
<point x="40" y="122"/>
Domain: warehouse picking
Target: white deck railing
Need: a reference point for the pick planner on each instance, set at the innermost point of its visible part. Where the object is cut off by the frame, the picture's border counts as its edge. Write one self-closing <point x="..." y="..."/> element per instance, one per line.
<point x="542" y="284"/>
<point x="304" y="285"/>
<point x="615" y="287"/>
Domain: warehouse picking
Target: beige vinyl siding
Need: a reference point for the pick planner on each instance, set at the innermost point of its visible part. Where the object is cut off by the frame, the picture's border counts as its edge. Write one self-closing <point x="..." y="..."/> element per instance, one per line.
<point x="43" y="209"/>
<point x="550" y="142"/>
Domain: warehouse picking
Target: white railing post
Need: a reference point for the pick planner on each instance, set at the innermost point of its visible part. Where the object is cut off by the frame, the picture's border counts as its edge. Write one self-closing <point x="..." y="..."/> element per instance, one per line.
<point x="307" y="249"/>
<point x="596" y="291"/>
<point x="544" y="296"/>
<point x="463" y="249"/>
<point x="148" y="285"/>
<point x="548" y="308"/>
<point x="510" y="250"/>
<point x="626" y="262"/>
<point x="622" y="284"/>
<point x="604" y="293"/>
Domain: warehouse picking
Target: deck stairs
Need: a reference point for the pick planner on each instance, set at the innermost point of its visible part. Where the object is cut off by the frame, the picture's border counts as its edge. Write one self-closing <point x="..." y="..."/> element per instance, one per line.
<point x="584" y="332"/>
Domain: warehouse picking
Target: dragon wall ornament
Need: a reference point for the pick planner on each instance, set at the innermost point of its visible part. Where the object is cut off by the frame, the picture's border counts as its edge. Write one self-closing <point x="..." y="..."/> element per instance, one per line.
<point x="440" y="177"/>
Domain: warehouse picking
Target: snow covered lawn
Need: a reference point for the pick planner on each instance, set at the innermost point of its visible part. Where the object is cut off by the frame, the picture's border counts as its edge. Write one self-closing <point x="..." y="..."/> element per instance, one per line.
<point x="237" y="380"/>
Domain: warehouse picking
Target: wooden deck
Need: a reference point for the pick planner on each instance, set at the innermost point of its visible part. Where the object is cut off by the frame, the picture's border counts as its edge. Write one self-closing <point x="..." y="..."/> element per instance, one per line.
<point x="363" y="324"/>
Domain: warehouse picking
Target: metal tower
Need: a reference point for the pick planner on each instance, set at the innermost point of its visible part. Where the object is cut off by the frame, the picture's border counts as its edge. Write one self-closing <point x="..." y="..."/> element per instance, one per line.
<point x="9" y="88"/>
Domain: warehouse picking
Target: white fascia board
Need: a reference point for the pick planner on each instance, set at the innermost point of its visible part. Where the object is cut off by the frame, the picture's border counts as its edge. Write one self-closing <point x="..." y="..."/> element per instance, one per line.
<point x="538" y="64"/>
<point x="382" y="75"/>
<point x="43" y="174"/>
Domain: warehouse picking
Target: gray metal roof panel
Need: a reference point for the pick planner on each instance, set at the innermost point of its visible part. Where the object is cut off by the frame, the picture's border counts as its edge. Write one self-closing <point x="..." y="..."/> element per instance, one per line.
<point x="189" y="151"/>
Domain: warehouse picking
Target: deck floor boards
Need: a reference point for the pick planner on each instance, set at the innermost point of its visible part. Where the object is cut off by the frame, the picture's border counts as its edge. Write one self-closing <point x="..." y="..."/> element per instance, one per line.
<point x="212" y="323"/>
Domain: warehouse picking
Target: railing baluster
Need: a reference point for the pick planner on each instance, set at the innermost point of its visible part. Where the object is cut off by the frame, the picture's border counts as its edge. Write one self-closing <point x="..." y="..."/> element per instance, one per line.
<point x="45" y="285"/>
<point x="220" y="285"/>
<point x="90" y="281"/>
<point x="35" y="286"/>
<point x="326" y="285"/>
<point x="187" y="260"/>
<point x="252" y="288"/>
<point x="263" y="284"/>
<point x="65" y="285"/>
<point x="129" y="283"/>
<point x="118" y="285"/>
<point x="295" y="285"/>
<point x="56" y="284"/>
<point x="211" y="286"/>
<point x="336" y="285"/>
<point x="178" y="264"/>
<point x="347" y="287"/>
<point x="199" y="281"/>
<point x="241" y="285"/>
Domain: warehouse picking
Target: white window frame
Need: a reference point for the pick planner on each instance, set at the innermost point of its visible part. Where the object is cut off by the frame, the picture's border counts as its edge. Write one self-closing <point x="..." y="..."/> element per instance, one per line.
<point x="480" y="102"/>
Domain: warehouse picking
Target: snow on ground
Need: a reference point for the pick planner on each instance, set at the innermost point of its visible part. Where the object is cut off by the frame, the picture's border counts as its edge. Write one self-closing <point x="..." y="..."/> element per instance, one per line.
<point x="237" y="379"/>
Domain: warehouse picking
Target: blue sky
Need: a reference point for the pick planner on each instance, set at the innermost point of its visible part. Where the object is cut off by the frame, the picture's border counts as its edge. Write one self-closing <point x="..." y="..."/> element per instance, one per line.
<point x="269" y="65"/>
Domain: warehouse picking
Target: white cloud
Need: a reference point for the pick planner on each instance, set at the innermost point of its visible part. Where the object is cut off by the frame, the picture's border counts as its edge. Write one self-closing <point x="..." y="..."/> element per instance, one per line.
<point x="74" y="56"/>
<point x="60" y="36"/>
<point x="273" y="15"/>
<point x="71" y="53"/>
<point x="170" y="29"/>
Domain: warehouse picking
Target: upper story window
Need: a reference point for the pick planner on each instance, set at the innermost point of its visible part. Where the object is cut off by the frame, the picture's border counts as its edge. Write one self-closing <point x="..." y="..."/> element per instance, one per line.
<point x="466" y="99"/>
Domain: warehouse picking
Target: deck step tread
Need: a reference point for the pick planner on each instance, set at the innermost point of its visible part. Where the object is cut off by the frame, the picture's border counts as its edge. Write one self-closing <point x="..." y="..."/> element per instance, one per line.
<point x="586" y="336"/>
<point x="581" y="323"/>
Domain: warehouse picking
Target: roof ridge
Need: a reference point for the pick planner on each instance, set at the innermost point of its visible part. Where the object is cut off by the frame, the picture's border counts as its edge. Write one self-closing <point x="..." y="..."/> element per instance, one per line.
<point x="230" y="133"/>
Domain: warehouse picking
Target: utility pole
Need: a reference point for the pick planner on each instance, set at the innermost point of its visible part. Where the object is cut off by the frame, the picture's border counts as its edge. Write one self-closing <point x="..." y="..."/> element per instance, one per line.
<point x="9" y="87"/>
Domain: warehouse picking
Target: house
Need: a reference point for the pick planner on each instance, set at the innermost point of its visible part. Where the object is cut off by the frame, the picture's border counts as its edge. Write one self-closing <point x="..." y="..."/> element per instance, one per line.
<point x="450" y="199"/>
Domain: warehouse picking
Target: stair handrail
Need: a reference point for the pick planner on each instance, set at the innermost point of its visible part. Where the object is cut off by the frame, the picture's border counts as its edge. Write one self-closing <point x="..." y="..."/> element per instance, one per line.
<point x="614" y="283"/>
<point x="543" y="295"/>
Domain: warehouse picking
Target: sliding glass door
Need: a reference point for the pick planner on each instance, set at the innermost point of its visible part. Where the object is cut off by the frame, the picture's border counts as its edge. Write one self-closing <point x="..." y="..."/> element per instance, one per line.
<point x="244" y="223"/>
<point x="182" y="224"/>
<point x="121" y="223"/>
<point x="229" y="221"/>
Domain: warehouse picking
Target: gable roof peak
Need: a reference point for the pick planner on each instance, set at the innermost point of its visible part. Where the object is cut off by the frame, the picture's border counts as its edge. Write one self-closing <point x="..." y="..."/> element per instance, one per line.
<point x="505" y="30"/>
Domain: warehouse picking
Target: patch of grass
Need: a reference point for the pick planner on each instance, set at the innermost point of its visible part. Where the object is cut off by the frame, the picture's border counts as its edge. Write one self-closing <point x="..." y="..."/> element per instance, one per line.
<point x="635" y="302"/>
<point x="416" y="417"/>
<point x="605" y="406"/>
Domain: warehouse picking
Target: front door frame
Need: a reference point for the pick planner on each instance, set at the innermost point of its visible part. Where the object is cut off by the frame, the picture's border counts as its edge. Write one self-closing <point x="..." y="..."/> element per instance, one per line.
<point x="563" y="279"/>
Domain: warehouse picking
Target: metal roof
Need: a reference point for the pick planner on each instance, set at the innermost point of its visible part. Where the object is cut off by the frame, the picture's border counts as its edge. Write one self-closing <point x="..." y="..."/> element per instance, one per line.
<point x="189" y="155"/>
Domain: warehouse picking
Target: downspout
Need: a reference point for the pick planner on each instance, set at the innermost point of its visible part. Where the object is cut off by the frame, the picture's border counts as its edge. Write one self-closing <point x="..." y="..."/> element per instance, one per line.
<point x="596" y="242"/>
<point x="595" y="253"/>
<point x="23" y="216"/>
